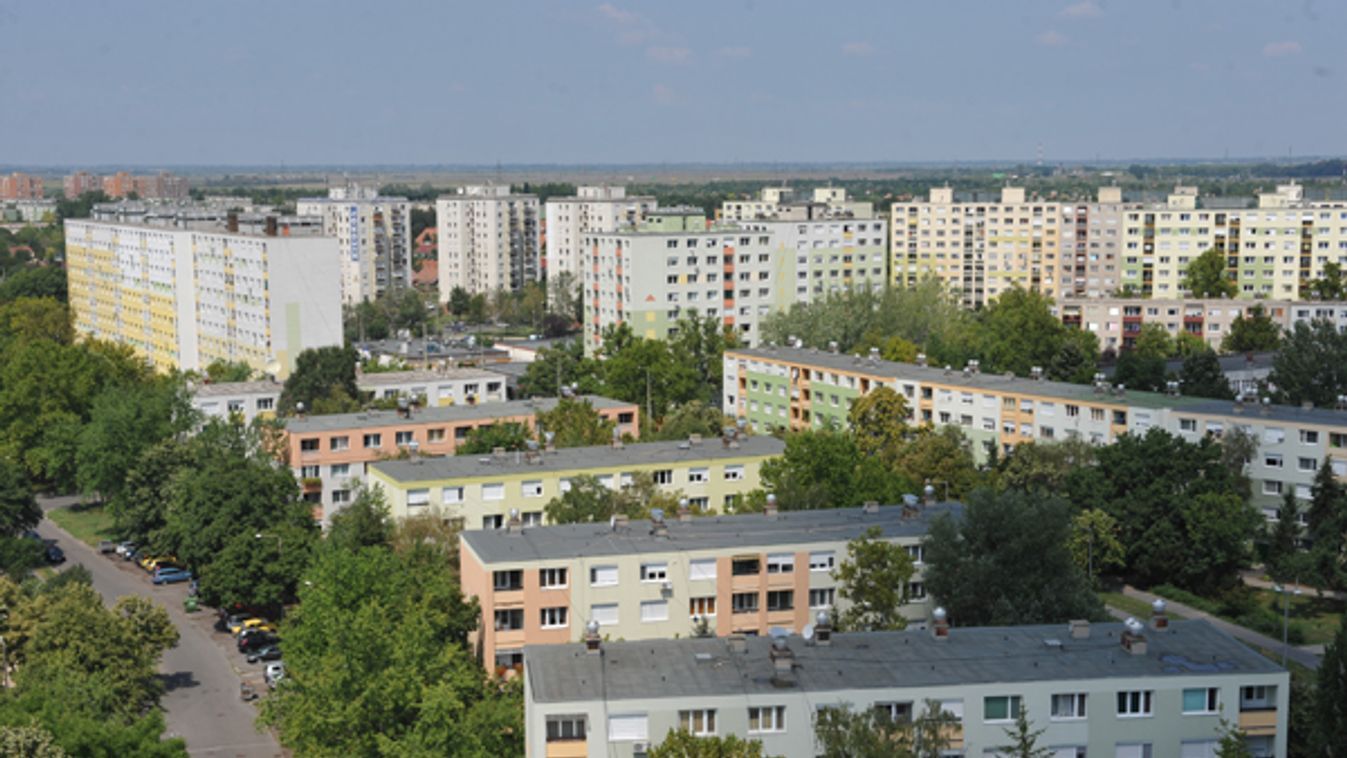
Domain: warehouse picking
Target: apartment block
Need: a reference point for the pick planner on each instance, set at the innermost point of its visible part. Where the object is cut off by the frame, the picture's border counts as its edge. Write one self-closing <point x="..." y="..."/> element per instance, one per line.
<point x="161" y="186"/>
<point x="374" y="235"/>
<point x="1123" y="690"/>
<point x="796" y="388"/>
<point x="489" y="240"/>
<point x="674" y="265"/>
<point x="184" y="298"/>
<point x="78" y="183"/>
<point x="782" y="204"/>
<point x="19" y="186"/>
<point x="246" y="401"/>
<point x="656" y="580"/>
<point x="436" y="387"/>
<point x="483" y="491"/>
<point x="593" y="210"/>
<point x="979" y="249"/>
<point x="330" y="454"/>
<point x="1118" y="321"/>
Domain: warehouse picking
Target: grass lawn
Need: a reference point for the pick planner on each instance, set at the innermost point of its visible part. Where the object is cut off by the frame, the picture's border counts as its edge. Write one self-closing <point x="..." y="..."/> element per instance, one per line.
<point x="87" y="523"/>
<point x="1135" y="606"/>
<point x="1318" y="617"/>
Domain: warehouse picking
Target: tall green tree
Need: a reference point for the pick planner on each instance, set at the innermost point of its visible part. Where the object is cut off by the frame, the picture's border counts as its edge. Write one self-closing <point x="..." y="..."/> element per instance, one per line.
<point x="1282" y="548"/>
<point x="822" y="468"/>
<point x="319" y="373"/>
<point x="1153" y="341"/>
<point x="18" y="508"/>
<point x="1252" y="332"/>
<point x="1042" y="466"/>
<point x="1094" y="542"/>
<point x="509" y="435"/>
<point x="1024" y="738"/>
<point x="942" y="457"/>
<point x="575" y="423"/>
<point x="1332" y="285"/>
<point x="1202" y="377"/>
<point x="1007" y="562"/>
<point x="680" y="743"/>
<point x="1140" y="372"/>
<point x="1327" y="518"/>
<point x="125" y="421"/>
<point x="1206" y="276"/>
<point x="564" y="365"/>
<point x="221" y="370"/>
<point x="1017" y="332"/>
<point x="138" y="508"/>
<point x="873" y="579"/>
<point x="35" y="282"/>
<point x="1329" y="725"/>
<point x="878" y="422"/>
<point x="590" y="501"/>
<point x="365" y="522"/>
<point x="647" y="372"/>
<point x="841" y="731"/>
<point x="1311" y="364"/>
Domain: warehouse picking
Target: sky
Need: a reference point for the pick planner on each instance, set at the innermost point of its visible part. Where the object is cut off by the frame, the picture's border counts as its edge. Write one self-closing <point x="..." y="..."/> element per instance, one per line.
<point x="330" y="82"/>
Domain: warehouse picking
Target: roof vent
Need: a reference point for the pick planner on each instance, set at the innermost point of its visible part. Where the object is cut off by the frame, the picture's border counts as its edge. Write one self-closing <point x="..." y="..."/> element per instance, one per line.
<point x="823" y="629"/>
<point x="921" y="359"/>
<point x="940" y="624"/>
<point x="783" y="660"/>
<point x="684" y="512"/>
<point x="832" y="346"/>
<point x="770" y="507"/>
<point x="928" y="492"/>
<point x="515" y="525"/>
<point x="1133" y="638"/>
<point x="617" y="437"/>
<point x="737" y="643"/>
<point x="593" y="642"/>
<point x="1266" y="405"/>
<point x="870" y="507"/>
<point x="619" y="521"/>
<point x="874" y="355"/>
<point x="1159" y="619"/>
<point x="657" y="526"/>
<point x="1080" y="629"/>
<point x="1036" y="373"/>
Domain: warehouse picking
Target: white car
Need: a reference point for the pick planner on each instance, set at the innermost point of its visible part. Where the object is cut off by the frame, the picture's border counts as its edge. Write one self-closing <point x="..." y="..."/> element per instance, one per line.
<point x="274" y="673"/>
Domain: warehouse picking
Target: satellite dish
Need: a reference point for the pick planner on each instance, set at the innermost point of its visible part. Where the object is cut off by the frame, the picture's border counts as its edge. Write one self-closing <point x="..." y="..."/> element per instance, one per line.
<point x="807" y="632"/>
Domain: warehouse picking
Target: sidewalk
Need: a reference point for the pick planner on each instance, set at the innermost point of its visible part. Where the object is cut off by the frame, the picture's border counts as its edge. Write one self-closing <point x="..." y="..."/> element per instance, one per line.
<point x="1255" y="579"/>
<point x="1299" y="655"/>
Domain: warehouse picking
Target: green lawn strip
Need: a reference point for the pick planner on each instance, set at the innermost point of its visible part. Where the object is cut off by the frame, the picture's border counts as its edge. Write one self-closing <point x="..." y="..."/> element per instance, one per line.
<point x="1313" y="620"/>
<point x="1318" y="617"/>
<point x="1134" y="606"/>
<point x="87" y="523"/>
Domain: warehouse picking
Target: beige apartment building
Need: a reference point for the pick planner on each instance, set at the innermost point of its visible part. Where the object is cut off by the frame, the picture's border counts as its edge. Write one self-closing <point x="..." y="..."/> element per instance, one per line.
<point x="1118" y="321"/>
<point x="655" y="580"/>
<point x="489" y="240"/>
<point x="374" y="235"/>
<point x="482" y="491"/>
<point x="782" y="203"/>
<point x="593" y="209"/>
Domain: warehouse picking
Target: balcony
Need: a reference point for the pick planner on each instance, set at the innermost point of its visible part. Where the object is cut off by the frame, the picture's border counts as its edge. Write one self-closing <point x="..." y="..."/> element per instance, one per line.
<point x="1257" y="723"/>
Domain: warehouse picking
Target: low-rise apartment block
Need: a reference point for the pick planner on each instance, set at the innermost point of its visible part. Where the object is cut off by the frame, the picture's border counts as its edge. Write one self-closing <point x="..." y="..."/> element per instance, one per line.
<point x="1123" y="690"/>
<point x="1118" y="321"/>
<point x="593" y="209"/>
<point x="798" y="388"/>
<point x="655" y="580"/>
<point x="482" y="491"/>
<point x="437" y="387"/>
<point x="330" y="454"/>
<point x="185" y="297"/>
<point x="374" y="235"/>
<point x="488" y="238"/>
<point x="243" y="400"/>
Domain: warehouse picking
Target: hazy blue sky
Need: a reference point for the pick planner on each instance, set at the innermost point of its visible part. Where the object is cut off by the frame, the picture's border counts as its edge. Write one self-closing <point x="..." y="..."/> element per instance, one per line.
<point x="248" y="82"/>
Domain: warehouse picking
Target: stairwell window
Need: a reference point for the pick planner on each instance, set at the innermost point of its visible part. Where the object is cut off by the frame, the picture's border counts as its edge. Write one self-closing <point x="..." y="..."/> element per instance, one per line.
<point x="1067" y="706"/>
<point x="766" y="719"/>
<point x="1134" y="703"/>
<point x="700" y="722"/>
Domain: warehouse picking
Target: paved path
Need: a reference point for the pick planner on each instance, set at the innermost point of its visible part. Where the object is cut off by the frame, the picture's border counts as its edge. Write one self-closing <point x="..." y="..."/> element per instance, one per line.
<point x="201" y="702"/>
<point x="1301" y="656"/>
<point x="1255" y="579"/>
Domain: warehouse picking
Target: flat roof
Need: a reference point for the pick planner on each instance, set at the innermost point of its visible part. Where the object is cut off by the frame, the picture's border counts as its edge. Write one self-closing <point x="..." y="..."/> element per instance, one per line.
<point x="221" y="389"/>
<point x="572" y="458"/>
<point x="446" y="413"/>
<point x="561" y="541"/>
<point x="686" y="669"/>
<point x="385" y="378"/>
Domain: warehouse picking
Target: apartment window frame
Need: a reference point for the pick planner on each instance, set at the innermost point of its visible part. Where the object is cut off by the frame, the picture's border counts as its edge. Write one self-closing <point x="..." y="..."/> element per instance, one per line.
<point x="1076" y="711"/>
<point x="699" y="722"/>
<point x="554" y="617"/>
<point x="554" y="578"/>
<point x="1012" y="705"/>
<point x="1210" y="697"/>
<point x="766" y="719"/>
<point x="566" y="728"/>
<point x="823" y="560"/>
<point x="507" y="580"/>
<point x="655" y="572"/>
<point x="602" y="572"/>
<point x="1135" y="704"/>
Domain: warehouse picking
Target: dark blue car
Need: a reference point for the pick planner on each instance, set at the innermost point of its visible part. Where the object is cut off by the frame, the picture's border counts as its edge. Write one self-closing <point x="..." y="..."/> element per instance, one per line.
<point x="171" y="575"/>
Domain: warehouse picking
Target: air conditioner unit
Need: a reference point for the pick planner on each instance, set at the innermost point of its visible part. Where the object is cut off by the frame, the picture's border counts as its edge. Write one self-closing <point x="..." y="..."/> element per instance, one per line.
<point x="639" y="749"/>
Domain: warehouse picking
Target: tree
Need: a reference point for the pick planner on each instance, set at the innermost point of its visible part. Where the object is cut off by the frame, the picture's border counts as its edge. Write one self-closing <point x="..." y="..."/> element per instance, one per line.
<point x="693" y="417"/>
<point x="1328" y="734"/>
<point x="125" y="421"/>
<point x="1202" y="376"/>
<point x="1206" y="276"/>
<point x="35" y="282"/>
<point x="318" y="373"/>
<point x="482" y="440"/>
<point x="700" y="344"/>
<point x="1232" y="743"/>
<point x="138" y="507"/>
<point x="1042" y="466"/>
<point x="1327" y="526"/>
<point x="1332" y="285"/>
<point x="1140" y="372"/>
<point x="563" y="365"/>
<point x="680" y="743"/>
<point x="19" y="510"/>
<point x="363" y="523"/>
<point x="1153" y="341"/>
<point x="591" y="501"/>
<point x="221" y="370"/>
<point x="873" y="579"/>
<point x="459" y="301"/>
<point x="1283" y="539"/>
<point x="1186" y="343"/>
<point x="1007" y="562"/>
<point x="257" y="569"/>
<point x="1017" y="332"/>
<point x="29" y="741"/>
<point x="1024" y="739"/>
<point x="575" y="423"/>
<point x="1094" y="541"/>
<point x="878" y="422"/>
<point x="30" y="319"/>
<point x="942" y="457"/>
<point x="1311" y="365"/>
<point x="647" y="372"/>
<point x="842" y="732"/>
<point x="1252" y="332"/>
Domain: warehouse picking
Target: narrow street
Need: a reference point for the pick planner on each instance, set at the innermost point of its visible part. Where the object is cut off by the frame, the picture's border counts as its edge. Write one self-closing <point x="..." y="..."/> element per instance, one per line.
<point x="201" y="701"/>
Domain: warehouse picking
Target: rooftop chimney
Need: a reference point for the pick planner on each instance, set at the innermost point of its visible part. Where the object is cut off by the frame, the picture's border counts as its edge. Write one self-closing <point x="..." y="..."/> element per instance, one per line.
<point x="515" y="525"/>
<point x="617" y="437"/>
<point x="783" y="663"/>
<point x="939" y="624"/>
<point x="619" y="521"/>
<point x="928" y="493"/>
<point x="1133" y="639"/>
<point x="694" y="439"/>
<point x="737" y="643"/>
<point x="657" y="526"/>
<point x="1159" y="619"/>
<point x="1080" y="629"/>
<point x="271" y="226"/>
<point x="593" y="642"/>
<point x="548" y="442"/>
<point x="770" y="508"/>
<point x="832" y="346"/>
<point x="498" y="453"/>
<point x="684" y="512"/>
<point x="874" y="355"/>
<point x="823" y="629"/>
<point x="921" y="359"/>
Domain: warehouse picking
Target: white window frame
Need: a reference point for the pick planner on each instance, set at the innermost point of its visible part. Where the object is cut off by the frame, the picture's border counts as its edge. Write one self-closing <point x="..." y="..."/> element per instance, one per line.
<point x="553" y="612"/>
<point x="628" y="727"/>
<point x="654" y="611"/>
<point x="823" y="560"/>
<point x="734" y="473"/>
<point x="603" y="576"/>
<point x="600" y="612"/>
<point x="418" y="497"/>
<point x="655" y="571"/>
<point x="698" y="475"/>
<point x="1144" y="702"/>
<point x="493" y="492"/>
<point x="780" y="563"/>
<point x="547" y="578"/>
<point x="531" y="488"/>
<point x="1079" y="702"/>
<point x="763" y="714"/>
<point x="451" y="495"/>
<point x="698" y="569"/>
<point x="699" y="722"/>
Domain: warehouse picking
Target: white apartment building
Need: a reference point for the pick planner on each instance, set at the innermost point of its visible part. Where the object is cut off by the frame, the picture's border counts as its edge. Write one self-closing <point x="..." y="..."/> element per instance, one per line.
<point x="184" y="298"/>
<point x="593" y="209"/>
<point x="827" y="248"/>
<point x="1118" y="321"/>
<point x="437" y="387"/>
<point x="489" y="240"/>
<point x="373" y="234"/>
<point x="244" y="400"/>
<point x="781" y="203"/>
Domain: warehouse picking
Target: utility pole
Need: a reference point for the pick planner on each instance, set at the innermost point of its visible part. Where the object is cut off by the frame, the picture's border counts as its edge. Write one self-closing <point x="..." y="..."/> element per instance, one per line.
<point x="649" y="405"/>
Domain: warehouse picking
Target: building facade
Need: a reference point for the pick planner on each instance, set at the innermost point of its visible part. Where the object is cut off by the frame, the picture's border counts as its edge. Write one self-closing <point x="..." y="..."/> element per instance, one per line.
<point x="374" y="234"/>
<point x="1117" y="690"/>
<point x="184" y="298"/>
<point x="434" y="388"/>
<point x="19" y="186"/>
<point x="330" y="454"/>
<point x="647" y="580"/>
<point x="161" y="186"/>
<point x="78" y="183"/>
<point x="799" y="388"/>
<point x="1118" y="321"/>
<point x="488" y="239"/>
<point x="593" y="209"/>
<point x="783" y="204"/>
<point x="246" y="401"/>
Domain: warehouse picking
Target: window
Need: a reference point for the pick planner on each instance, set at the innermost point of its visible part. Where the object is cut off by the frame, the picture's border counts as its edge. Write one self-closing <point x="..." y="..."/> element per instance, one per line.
<point x="1188" y="424"/>
<point x="493" y="491"/>
<point x="702" y="606"/>
<point x="565" y="728"/>
<point x="451" y="495"/>
<point x="1309" y="437"/>
<point x="780" y="563"/>
<point x="434" y="435"/>
<point x="822" y="598"/>
<point x="310" y="472"/>
<point x="1198" y="749"/>
<point x="373" y="441"/>
<point x="338" y="443"/>
<point x="509" y="619"/>
<point x="744" y="602"/>
<point x="916" y="553"/>
<point x="701" y="569"/>
<point x="1200" y="700"/>
<point x="781" y="600"/>
<point x="512" y="579"/>
<point x="605" y="614"/>
<point x="402" y="438"/>
<point x="916" y="591"/>
<point x="896" y="713"/>
<point x="602" y="576"/>
<point x="734" y="473"/>
<point x="770" y="718"/>
<point x="745" y="566"/>
<point x="309" y="445"/>
<point x="698" y="475"/>
<point x="664" y="476"/>
<point x="266" y="403"/>
<point x="1070" y="705"/>
<point x="1001" y="708"/>
<point x="654" y="572"/>
<point x="1074" y="751"/>
<point x="628" y="727"/>
<point x="553" y="618"/>
<point x="1133" y="750"/>
<point x="654" y="610"/>
<point x="1257" y="698"/>
<point x="701" y="722"/>
<point x="494" y="521"/>
<point x="340" y="469"/>
<point x="552" y="578"/>
<point x="823" y="560"/>
<point x="532" y="488"/>
<point x="1133" y="703"/>
<point x="341" y="496"/>
<point x="418" y="497"/>
<point x="1272" y="460"/>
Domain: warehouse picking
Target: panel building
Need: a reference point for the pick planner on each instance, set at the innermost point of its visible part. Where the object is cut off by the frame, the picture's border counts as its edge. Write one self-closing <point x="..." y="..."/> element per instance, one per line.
<point x="19" y="186"/>
<point x="593" y="209"/>
<point x="184" y="297"/>
<point x="654" y="580"/>
<point x="1122" y="690"/>
<point x="1117" y="321"/>
<point x="435" y="387"/>
<point x="488" y="238"/>
<point x="374" y="235"/>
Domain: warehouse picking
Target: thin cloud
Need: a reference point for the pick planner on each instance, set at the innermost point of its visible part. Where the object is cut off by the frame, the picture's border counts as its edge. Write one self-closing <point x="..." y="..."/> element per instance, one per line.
<point x="1051" y="38"/>
<point x="1281" y="49"/>
<point x="664" y="95"/>
<point x="1083" y="9"/>
<point x="632" y="28"/>
<point x="662" y="54"/>
<point x="614" y="13"/>
<point x="857" y="49"/>
<point x="734" y="52"/>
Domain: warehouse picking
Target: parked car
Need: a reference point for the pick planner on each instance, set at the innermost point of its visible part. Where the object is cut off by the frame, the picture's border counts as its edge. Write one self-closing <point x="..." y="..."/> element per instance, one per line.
<point x="107" y="546"/>
<point x="134" y="554"/>
<point x="270" y="652"/>
<point x="253" y="631"/>
<point x="171" y="575"/>
<point x="226" y="619"/>
<point x="151" y="563"/>
<point x="275" y="673"/>
<point x="254" y="642"/>
<point x="55" y="554"/>
<point x="125" y="549"/>
<point x="247" y="622"/>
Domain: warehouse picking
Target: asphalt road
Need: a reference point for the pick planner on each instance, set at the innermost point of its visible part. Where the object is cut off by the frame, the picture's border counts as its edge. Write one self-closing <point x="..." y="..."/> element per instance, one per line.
<point x="201" y="702"/>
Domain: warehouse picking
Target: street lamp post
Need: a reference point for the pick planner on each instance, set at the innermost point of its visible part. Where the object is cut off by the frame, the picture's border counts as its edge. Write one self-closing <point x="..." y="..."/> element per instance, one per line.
<point x="1286" y="616"/>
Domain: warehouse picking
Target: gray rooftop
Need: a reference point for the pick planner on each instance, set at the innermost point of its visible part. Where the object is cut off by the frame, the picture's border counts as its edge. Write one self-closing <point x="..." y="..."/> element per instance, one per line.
<point x="687" y="669"/>
<point x="385" y="378"/>
<point x="573" y="458"/>
<point x="446" y="414"/>
<point x="750" y="530"/>
<point x="223" y="389"/>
